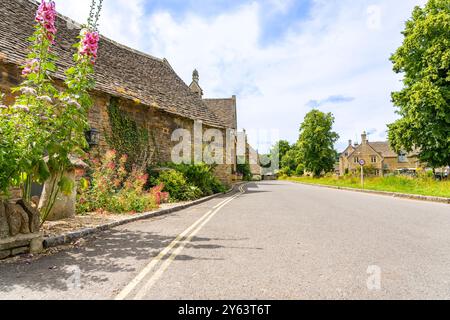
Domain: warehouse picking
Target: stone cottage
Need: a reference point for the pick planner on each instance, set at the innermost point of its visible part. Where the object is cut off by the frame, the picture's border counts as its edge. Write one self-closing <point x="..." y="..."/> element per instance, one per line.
<point x="145" y="88"/>
<point x="377" y="155"/>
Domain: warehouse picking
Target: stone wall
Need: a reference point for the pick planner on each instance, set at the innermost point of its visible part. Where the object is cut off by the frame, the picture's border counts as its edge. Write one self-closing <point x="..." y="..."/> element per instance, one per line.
<point x="158" y="123"/>
<point x="19" y="228"/>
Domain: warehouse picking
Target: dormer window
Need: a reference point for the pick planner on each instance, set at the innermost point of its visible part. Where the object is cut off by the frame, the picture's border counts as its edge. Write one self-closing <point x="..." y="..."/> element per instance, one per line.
<point x="402" y="157"/>
<point x="374" y="159"/>
<point x="356" y="159"/>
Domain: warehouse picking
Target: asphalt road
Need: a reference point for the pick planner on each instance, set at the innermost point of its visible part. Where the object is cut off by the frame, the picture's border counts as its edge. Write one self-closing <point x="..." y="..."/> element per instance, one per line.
<point x="276" y="240"/>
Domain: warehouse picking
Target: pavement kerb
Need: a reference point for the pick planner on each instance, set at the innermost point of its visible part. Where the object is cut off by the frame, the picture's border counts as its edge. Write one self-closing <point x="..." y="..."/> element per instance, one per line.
<point x="72" y="236"/>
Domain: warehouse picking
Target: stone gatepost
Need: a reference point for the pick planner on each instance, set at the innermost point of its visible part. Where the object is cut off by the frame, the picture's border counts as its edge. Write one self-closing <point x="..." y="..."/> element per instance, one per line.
<point x="65" y="205"/>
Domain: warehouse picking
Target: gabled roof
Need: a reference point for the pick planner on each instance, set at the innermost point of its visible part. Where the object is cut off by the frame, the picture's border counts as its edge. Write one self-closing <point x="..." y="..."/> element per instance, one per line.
<point x="225" y="109"/>
<point x="361" y="145"/>
<point x="349" y="147"/>
<point x="120" y="71"/>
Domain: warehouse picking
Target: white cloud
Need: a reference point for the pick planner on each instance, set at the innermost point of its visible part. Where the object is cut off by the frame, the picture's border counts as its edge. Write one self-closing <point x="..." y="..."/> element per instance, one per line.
<point x="342" y="49"/>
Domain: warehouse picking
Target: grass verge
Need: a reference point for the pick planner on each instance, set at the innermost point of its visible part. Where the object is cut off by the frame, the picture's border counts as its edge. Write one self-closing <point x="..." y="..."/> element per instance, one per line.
<point x="399" y="184"/>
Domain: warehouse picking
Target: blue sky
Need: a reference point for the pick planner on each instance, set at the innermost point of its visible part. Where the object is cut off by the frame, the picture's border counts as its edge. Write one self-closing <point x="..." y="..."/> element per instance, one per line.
<point x="280" y="57"/>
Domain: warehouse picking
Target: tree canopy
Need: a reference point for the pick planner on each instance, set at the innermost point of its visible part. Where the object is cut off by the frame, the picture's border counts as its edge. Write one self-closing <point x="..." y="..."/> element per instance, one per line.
<point x="316" y="142"/>
<point x="424" y="101"/>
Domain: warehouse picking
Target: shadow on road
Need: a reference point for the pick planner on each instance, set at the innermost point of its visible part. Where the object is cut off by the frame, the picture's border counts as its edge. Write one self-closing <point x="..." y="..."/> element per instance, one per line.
<point x="105" y="254"/>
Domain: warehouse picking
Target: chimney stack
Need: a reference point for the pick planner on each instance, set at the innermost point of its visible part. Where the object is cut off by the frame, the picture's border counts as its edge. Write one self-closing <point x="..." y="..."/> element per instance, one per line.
<point x="350" y="142"/>
<point x="364" y="140"/>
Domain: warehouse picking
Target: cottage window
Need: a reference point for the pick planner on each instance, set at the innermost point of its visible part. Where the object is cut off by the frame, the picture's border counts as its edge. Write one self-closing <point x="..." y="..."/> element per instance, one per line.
<point x="402" y="157"/>
<point x="374" y="159"/>
<point x="356" y="159"/>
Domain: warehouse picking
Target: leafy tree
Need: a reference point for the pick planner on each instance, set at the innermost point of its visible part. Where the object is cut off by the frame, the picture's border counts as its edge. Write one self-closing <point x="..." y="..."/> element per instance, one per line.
<point x="291" y="160"/>
<point x="281" y="148"/>
<point x="316" y="142"/>
<point x="424" y="102"/>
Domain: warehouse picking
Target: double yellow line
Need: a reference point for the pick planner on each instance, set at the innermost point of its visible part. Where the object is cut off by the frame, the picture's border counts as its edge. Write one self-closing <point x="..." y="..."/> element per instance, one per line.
<point x="180" y="242"/>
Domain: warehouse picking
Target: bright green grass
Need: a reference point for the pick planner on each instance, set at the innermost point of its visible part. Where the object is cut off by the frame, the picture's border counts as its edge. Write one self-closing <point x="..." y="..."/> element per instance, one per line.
<point x="400" y="184"/>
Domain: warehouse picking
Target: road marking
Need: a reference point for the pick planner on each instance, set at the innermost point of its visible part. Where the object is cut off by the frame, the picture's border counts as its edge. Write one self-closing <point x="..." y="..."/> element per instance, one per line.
<point x="154" y="262"/>
<point x="155" y="277"/>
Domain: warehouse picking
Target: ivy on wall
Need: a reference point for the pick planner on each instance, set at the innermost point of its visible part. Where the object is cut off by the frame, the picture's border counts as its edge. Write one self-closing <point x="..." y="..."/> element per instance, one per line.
<point x="127" y="137"/>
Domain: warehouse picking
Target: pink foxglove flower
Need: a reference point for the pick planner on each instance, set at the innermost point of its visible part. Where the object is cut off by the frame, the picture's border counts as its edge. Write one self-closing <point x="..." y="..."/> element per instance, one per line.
<point x="46" y="16"/>
<point x="89" y="44"/>
<point x="31" y="66"/>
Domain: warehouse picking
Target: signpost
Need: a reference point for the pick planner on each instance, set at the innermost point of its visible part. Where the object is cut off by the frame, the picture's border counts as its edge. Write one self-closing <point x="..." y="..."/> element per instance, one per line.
<point x="362" y="163"/>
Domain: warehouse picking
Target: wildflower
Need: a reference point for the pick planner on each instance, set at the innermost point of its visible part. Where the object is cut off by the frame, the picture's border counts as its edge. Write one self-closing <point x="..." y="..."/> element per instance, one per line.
<point x="45" y="98"/>
<point x="75" y="104"/>
<point x="72" y="102"/>
<point x="28" y="90"/>
<point x="22" y="108"/>
<point x="89" y="44"/>
<point x="46" y="16"/>
<point x="111" y="165"/>
<point x="3" y="106"/>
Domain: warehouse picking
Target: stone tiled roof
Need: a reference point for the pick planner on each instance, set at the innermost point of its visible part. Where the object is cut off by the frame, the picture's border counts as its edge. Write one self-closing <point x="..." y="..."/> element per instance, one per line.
<point x="225" y="109"/>
<point x="120" y="71"/>
<point x="384" y="149"/>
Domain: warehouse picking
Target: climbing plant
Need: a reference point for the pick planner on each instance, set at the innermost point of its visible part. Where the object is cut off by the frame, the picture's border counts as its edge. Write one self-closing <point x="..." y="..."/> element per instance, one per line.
<point x="127" y="137"/>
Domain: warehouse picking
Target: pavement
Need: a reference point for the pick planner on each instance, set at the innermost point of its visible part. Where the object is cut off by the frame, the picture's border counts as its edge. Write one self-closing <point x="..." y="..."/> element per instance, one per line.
<point x="271" y="240"/>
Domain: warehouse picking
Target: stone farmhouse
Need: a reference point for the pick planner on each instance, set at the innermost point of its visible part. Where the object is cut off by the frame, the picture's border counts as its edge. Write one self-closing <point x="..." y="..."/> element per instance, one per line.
<point x="145" y="88"/>
<point x="378" y="156"/>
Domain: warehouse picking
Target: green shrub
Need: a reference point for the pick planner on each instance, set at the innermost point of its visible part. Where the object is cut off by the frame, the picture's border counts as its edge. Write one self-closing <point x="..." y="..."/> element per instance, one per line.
<point x="187" y="182"/>
<point x="202" y="176"/>
<point x="245" y="170"/>
<point x="173" y="181"/>
<point x="176" y="185"/>
<point x="300" y="170"/>
<point x="285" y="171"/>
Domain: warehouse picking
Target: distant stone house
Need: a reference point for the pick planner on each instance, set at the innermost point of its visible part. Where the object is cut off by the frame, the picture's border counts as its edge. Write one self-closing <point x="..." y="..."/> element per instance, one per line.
<point x="146" y="88"/>
<point x="223" y="108"/>
<point x="378" y="156"/>
<point x="253" y="160"/>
